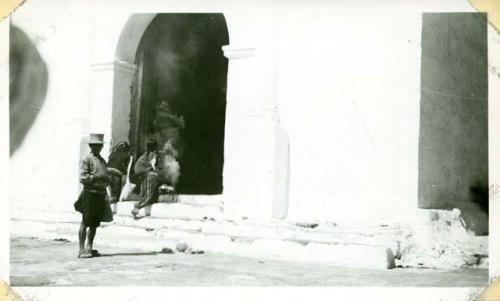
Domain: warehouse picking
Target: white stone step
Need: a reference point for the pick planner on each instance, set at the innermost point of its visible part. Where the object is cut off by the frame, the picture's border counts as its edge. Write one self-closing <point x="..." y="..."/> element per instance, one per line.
<point x="138" y="238"/>
<point x="242" y="230"/>
<point x="173" y="210"/>
<point x="208" y="228"/>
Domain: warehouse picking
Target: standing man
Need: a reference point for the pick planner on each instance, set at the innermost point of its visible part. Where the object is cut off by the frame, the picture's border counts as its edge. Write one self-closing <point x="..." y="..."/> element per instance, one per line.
<point x="94" y="177"/>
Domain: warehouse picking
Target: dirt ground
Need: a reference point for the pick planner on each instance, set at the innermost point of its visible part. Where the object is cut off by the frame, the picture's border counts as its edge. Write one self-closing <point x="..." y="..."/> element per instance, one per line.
<point x="36" y="262"/>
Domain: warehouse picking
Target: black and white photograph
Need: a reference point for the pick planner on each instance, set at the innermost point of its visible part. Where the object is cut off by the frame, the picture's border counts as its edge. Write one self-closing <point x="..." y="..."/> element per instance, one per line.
<point x="169" y="144"/>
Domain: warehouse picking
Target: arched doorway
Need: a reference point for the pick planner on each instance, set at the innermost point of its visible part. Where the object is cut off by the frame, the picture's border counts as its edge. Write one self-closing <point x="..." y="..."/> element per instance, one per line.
<point x="180" y="90"/>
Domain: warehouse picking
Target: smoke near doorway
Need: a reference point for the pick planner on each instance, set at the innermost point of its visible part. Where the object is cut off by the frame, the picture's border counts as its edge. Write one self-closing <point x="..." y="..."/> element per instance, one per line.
<point x="180" y="97"/>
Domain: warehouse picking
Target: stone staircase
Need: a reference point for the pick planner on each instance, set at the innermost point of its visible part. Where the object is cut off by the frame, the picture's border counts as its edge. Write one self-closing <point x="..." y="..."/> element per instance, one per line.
<point x="206" y="227"/>
<point x="439" y="240"/>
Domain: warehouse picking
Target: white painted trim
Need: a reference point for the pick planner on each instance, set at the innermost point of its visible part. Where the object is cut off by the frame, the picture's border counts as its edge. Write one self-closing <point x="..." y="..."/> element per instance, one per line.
<point x="232" y="52"/>
<point x="118" y="66"/>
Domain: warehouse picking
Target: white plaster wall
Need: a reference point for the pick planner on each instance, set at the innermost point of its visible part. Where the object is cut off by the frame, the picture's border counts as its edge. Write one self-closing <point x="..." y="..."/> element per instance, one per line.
<point x="249" y="132"/>
<point x="349" y="99"/>
<point x="350" y="79"/>
<point x="79" y="50"/>
<point x="45" y="167"/>
<point x="111" y="78"/>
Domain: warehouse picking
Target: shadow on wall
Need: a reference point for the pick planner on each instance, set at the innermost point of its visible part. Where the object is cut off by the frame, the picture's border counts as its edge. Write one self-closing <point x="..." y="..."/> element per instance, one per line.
<point x="28" y="80"/>
<point x="474" y="216"/>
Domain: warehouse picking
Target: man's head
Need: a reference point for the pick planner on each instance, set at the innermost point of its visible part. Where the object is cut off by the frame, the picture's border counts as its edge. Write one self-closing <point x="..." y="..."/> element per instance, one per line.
<point x="121" y="147"/>
<point x="126" y="148"/>
<point x="96" y="142"/>
<point x="95" y="148"/>
<point x="151" y="145"/>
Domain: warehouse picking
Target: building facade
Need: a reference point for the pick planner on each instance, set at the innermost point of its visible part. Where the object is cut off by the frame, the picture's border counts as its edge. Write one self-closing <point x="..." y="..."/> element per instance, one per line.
<point x="325" y="118"/>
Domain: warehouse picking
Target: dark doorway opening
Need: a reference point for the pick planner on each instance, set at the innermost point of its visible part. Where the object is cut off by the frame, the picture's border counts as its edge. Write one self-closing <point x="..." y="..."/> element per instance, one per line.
<point x="453" y="146"/>
<point x="181" y="78"/>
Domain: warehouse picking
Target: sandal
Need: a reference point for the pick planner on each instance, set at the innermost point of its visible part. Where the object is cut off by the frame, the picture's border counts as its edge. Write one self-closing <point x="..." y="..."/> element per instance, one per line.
<point x="95" y="253"/>
<point x="84" y="254"/>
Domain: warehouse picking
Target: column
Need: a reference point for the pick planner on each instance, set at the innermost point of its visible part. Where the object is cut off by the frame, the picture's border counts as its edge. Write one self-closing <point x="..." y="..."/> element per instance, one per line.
<point x="111" y="94"/>
<point x="111" y="75"/>
<point x="251" y="117"/>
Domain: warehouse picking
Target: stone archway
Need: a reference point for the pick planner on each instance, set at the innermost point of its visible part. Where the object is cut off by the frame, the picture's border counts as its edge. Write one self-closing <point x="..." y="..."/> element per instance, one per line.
<point x="131" y="36"/>
<point x="251" y="178"/>
<point x="181" y="71"/>
<point x="125" y="73"/>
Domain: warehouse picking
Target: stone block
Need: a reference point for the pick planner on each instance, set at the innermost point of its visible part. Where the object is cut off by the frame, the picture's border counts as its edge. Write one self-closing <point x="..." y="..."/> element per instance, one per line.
<point x="357" y="256"/>
<point x="124" y="208"/>
<point x="279" y="249"/>
<point x="186" y="211"/>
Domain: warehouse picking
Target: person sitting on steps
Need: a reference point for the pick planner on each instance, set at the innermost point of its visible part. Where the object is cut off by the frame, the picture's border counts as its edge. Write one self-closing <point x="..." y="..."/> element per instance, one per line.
<point x="117" y="167"/>
<point x="145" y="169"/>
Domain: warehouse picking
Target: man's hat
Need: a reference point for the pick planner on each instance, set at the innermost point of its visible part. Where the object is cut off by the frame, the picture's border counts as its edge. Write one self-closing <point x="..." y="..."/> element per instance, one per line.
<point x="96" y="139"/>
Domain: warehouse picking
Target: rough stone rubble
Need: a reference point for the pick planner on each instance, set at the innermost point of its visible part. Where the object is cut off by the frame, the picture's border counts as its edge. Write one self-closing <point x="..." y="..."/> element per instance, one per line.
<point x="440" y="239"/>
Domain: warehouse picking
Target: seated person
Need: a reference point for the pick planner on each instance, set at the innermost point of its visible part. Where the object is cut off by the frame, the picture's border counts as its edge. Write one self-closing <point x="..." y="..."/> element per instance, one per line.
<point x="117" y="168"/>
<point x="145" y="170"/>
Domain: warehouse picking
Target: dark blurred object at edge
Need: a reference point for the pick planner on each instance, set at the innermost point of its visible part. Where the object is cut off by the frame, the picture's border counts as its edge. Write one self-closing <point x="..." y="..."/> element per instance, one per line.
<point x="28" y="79"/>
